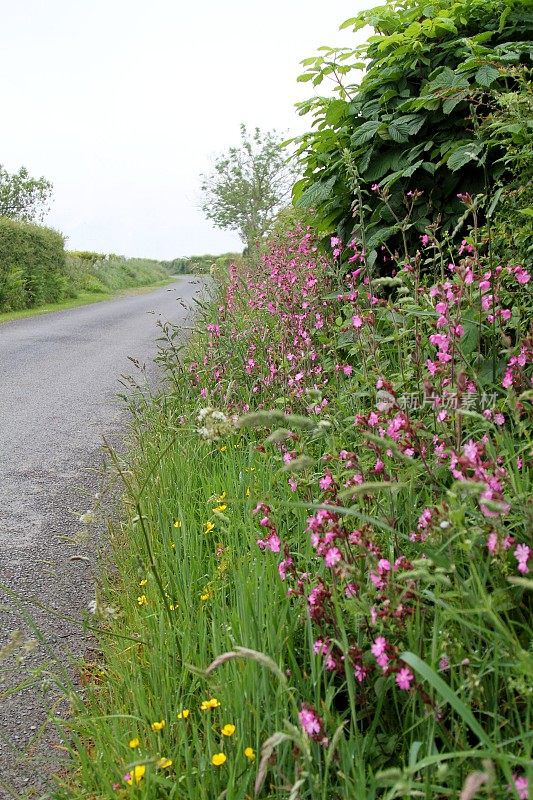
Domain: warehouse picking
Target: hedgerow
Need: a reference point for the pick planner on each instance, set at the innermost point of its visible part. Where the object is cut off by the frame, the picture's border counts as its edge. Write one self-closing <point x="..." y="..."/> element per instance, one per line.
<point x="35" y="270"/>
<point x="32" y="265"/>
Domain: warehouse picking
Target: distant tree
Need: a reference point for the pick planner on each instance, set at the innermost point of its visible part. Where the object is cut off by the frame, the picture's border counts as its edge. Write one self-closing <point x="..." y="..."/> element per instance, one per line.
<point x="248" y="186"/>
<point x="23" y="197"/>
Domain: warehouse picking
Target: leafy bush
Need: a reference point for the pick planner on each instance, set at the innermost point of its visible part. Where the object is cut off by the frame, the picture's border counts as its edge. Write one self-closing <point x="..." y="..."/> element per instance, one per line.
<point x="32" y="265"/>
<point x="432" y="74"/>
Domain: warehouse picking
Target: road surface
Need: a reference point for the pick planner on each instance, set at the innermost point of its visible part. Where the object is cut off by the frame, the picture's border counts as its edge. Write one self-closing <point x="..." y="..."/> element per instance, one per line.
<point x="59" y="381"/>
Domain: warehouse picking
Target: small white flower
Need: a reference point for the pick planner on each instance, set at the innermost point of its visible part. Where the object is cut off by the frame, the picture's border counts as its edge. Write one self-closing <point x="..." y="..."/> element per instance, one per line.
<point x="105" y="612"/>
<point x="213" y="424"/>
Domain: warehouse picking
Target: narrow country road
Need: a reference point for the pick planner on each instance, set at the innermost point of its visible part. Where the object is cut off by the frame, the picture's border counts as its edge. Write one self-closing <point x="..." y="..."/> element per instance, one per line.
<point x="59" y="381"/>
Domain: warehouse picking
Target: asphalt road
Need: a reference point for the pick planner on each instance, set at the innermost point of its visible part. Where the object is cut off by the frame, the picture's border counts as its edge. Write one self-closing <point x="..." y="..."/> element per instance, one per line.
<point x="59" y="381"/>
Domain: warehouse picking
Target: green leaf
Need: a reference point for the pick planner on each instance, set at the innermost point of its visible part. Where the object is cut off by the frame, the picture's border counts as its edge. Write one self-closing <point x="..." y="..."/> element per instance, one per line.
<point x="315" y="194"/>
<point x="449" y="104"/>
<point x="354" y="22"/>
<point x="336" y="111"/>
<point x="365" y="132"/>
<point x="463" y="155"/>
<point x="486" y="75"/>
<point x="380" y="236"/>
<point x="446" y="694"/>
<point x="401" y="128"/>
<point x="407" y="172"/>
<point x="495" y="201"/>
<point x="470" y="340"/>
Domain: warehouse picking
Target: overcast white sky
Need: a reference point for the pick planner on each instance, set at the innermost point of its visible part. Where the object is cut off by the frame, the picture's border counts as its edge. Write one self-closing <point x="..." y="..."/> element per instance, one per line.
<point x="123" y="103"/>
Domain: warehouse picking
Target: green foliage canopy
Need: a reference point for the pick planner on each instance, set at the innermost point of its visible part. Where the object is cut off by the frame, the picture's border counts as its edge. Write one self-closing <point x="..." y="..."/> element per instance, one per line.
<point x="432" y="73"/>
<point x="23" y="197"/>
<point x="248" y="185"/>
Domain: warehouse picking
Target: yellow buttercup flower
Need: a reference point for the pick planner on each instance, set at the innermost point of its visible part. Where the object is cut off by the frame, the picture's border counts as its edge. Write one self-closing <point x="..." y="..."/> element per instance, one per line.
<point x="249" y="752"/>
<point x="136" y="774"/>
<point x="211" y="703"/>
<point x="184" y="713"/>
<point x="134" y="743"/>
<point x="247" y="493"/>
<point x="209" y="526"/>
<point x="142" y="600"/>
<point x="158" y="726"/>
<point x="177" y="524"/>
<point x="222" y="507"/>
<point x="205" y="596"/>
<point x="143" y="582"/>
<point x="164" y="763"/>
<point x="223" y="450"/>
<point x="228" y="730"/>
<point x="218" y="759"/>
<point x="221" y="497"/>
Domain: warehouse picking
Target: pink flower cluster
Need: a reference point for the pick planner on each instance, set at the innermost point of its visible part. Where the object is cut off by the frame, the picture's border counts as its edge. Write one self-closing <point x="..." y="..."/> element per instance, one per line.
<point x="280" y="343"/>
<point x="516" y="364"/>
<point x="312" y="724"/>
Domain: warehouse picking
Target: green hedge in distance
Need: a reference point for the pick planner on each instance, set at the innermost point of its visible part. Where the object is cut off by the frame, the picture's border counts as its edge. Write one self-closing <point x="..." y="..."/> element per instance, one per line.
<point x="32" y="265"/>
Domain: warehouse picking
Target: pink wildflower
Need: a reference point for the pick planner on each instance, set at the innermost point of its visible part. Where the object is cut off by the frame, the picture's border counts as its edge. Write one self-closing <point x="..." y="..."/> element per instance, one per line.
<point x="521" y="786"/>
<point x="310" y="721"/>
<point x="333" y="556"/>
<point x="379" y="646"/>
<point x="326" y="481"/>
<point x="272" y="542"/>
<point x="282" y="567"/>
<point x="507" y="380"/>
<point x="521" y="554"/>
<point x="404" y="678"/>
<point x="521" y="275"/>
